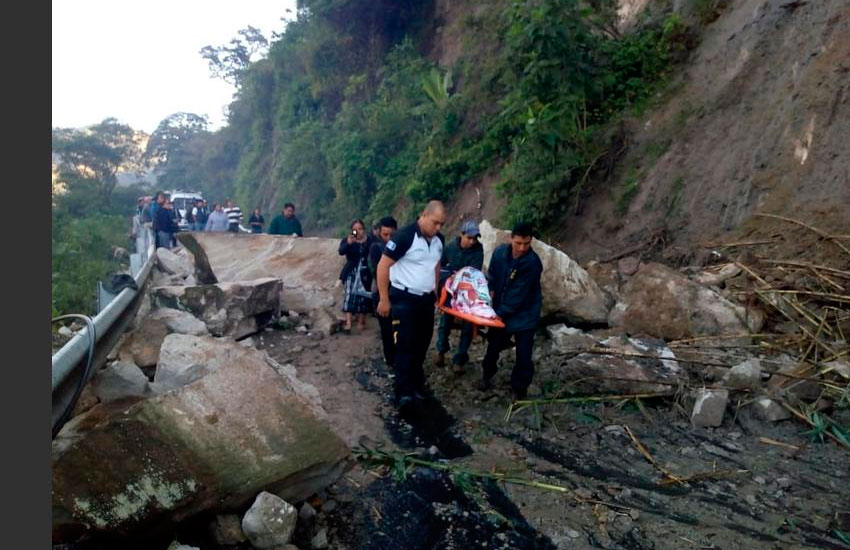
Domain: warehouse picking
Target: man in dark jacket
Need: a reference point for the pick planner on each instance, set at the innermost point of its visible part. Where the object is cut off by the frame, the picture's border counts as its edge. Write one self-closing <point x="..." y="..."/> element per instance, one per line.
<point x="386" y="228"/>
<point x="465" y="251"/>
<point x="514" y="276"/>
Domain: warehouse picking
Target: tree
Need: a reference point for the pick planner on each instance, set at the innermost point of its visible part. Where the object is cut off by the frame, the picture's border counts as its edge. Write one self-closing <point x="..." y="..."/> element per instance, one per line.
<point x="230" y="62"/>
<point x="170" y="147"/>
<point x="90" y="157"/>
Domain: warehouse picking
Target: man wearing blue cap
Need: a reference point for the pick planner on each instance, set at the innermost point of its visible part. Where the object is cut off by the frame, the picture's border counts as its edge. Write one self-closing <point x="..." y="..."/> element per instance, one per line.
<point x="464" y="251"/>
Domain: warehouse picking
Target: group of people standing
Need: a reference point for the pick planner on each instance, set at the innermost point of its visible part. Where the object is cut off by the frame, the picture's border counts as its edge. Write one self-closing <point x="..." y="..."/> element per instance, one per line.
<point x="159" y="214"/>
<point x="397" y="274"/>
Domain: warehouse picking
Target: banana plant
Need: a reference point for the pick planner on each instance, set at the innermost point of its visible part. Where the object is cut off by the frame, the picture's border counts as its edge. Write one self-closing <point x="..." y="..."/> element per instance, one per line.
<point x="437" y="87"/>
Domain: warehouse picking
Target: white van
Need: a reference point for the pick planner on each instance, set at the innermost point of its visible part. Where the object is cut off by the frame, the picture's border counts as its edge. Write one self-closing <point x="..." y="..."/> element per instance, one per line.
<point x="183" y="202"/>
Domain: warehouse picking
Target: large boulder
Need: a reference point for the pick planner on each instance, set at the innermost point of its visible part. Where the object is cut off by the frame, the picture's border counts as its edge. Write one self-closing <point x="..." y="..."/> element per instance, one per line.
<point x="142" y="344"/>
<point x="119" y="380"/>
<point x="307" y="266"/>
<point x="651" y="369"/>
<point x="184" y="359"/>
<point x="172" y="263"/>
<point x="249" y="425"/>
<point x="664" y="303"/>
<point x="569" y="292"/>
<point x="227" y="309"/>
<point x="179" y="322"/>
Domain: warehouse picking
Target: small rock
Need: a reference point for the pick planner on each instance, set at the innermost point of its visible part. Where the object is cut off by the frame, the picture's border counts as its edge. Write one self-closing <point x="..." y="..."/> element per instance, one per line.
<point x="433" y="450"/>
<point x="760" y="480"/>
<point x="746" y="375"/>
<point x="783" y="482"/>
<point x="688" y="451"/>
<point x="634" y="514"/>
<point x="269" y="522"/>
<point x="176" y="545"/>
<point x="65" y="331"/>
<point x="628" y="266"/>
<point x="297" y="348"/>
<point x="293" y="314"/>
<point x="301" y="328"/>
<point x="734" y="435"/>
<point x="709" y="407"/>
<point x="307" y="513"/>
<point x="715" y="450"/>
<point x="771" y="411"/>
<point x="751" y="500"/>
<point x="615" y="429"/>
<point x="320" y="540"/>
<point x="573" y="534"/>
<point x="227" y="530"/>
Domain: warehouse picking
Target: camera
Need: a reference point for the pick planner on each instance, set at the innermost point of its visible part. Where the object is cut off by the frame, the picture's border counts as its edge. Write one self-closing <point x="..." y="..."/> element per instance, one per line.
<point x="354" y="232"/>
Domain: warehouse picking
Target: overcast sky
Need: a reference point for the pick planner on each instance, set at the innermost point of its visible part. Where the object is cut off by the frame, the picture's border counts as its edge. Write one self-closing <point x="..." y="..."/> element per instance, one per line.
<point x="139" y="61"/>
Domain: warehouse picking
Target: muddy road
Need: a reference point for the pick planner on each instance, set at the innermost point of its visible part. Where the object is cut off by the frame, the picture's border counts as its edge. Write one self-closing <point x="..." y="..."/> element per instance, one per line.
<point x="747" y="484"/>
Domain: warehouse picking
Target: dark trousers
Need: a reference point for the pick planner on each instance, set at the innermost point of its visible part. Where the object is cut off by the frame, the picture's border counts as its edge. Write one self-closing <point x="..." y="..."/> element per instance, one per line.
<point x="413" y="326"/>
<point x="386" y="324"/>
<point x="497" y="341"/>
<point x="447" y="322"/>
<point x="233" y="228"/>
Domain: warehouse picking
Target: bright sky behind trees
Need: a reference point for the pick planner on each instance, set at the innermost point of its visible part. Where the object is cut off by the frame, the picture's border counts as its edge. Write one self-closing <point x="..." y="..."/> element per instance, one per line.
<point x="139" y="61"/>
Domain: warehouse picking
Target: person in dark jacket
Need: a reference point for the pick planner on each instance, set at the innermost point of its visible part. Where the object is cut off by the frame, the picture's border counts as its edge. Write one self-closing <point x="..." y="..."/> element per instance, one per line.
<point x="465" y="251"/>
<point x="162" y="225"/>
<point x="386" y="228"/>
<point x="357" y="299"/>
<point x="514" y="278"/>
<point x="256" y="221"/>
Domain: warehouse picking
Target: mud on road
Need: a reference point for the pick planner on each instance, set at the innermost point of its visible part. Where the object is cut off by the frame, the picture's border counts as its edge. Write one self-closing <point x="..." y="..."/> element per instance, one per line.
<point x="743" y="493"/>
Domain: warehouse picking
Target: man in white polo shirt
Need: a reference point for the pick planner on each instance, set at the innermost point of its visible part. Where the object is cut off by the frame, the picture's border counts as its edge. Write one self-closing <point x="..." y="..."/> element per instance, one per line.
<point x="408" y="274"/>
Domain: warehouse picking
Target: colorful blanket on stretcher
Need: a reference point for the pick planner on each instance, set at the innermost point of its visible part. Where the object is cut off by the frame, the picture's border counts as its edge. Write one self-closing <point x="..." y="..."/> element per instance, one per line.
<point x="470" y="293"/>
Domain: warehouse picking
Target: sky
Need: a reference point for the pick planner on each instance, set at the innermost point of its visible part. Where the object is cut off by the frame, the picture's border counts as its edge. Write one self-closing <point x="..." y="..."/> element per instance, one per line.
<point x="138" y="61"/>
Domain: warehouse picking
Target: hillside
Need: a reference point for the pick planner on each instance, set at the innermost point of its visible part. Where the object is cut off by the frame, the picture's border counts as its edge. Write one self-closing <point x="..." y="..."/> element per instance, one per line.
<point x="662" y="123"/>
<point x="757" y="121"/>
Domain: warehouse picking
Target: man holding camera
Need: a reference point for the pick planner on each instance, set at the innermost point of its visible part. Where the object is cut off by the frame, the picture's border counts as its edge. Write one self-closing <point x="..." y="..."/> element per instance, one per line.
<point x="408" y="275"/>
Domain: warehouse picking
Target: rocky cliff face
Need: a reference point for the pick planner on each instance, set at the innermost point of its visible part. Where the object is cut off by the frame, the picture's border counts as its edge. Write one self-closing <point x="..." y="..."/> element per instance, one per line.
<point x="755" y="120"/>
<point x="758" y="122"/>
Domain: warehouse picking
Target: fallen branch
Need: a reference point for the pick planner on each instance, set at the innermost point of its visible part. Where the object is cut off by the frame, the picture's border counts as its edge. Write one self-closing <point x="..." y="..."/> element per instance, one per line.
<point x="714" y="474"/>
<point x="398" y="459"/>
<point x="521" y="404"/>
<point x="797" y="263"/>
<point x="810" y="228"/>
<point x="643" y="450"/>
<point x="769" y="441"/>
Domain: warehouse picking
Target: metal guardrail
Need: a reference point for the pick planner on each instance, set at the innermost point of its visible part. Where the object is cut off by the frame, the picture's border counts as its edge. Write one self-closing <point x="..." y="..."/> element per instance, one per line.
<point x="109" y="323"/>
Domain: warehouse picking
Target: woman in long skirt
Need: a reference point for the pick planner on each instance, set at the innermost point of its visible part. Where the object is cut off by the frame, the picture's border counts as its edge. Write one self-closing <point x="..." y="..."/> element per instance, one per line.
<point x="355" y="275"/>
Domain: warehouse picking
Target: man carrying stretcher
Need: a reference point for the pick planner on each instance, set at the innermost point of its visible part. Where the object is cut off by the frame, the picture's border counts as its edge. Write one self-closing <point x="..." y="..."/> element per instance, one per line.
<point x="514" y="276"/>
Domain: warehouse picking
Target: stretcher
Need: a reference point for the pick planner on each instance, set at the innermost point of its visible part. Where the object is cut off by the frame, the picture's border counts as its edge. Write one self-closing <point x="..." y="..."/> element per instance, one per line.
<point x="475" y="320"/>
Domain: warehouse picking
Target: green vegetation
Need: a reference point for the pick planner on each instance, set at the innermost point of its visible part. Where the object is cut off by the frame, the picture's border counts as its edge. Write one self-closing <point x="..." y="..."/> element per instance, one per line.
<point x="90" y="215"/>
<point x="346" y="117"/>
<point x="82" y="255"/>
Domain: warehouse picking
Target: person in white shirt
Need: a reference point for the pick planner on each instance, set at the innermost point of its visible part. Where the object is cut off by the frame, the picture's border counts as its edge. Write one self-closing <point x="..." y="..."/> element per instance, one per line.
<point x="234" y="216"/>
<point x="408" y="275"/>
